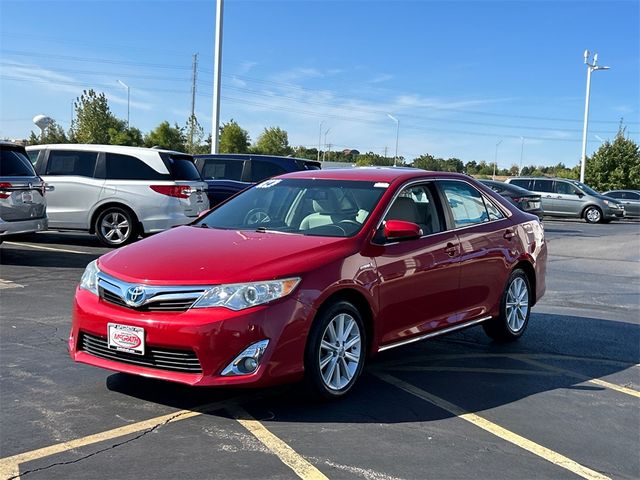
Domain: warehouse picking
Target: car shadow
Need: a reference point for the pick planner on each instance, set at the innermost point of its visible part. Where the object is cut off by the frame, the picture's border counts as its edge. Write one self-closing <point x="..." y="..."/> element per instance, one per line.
<point x="26" y="257"/>
<point x="466" y="369"/>
<point x="60" y="238"/>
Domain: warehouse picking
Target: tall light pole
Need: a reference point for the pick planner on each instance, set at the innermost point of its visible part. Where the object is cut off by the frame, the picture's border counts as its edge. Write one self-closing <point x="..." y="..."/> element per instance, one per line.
<point x="591" y="67"/>
<point x="521" y="155"/>
<point x="395" y="159"/>
<point x="495" y="161"/>
<point x="217" y="65"/>
<point x="319" y="138"/>
<point x="325" y="142"/>
<point x="128" y="98"/>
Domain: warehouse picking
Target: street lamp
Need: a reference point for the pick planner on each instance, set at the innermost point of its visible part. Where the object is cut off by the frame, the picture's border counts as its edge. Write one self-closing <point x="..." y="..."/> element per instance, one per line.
<point x="521" y="155"/>
<point x="325" y="142"/>
<point x="217" y="71"/>
<point x="395" y="159"/>
<point x="591" y="67"/>
<point x="495" y="161"/>
<point x="319" y="138"/>
<point x="128" y="99"/>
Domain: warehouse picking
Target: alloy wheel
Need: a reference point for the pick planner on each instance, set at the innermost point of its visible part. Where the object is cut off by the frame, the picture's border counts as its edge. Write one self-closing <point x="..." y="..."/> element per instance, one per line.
<point x="517" y="305"/>
<point x="115" y="228"/>
<point x="593" y="215"/>
<point x="340" y="351"/>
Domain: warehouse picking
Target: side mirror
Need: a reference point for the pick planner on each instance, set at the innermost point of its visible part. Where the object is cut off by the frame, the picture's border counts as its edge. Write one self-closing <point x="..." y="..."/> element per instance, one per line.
<point x="49" y="188"/>
<point x="579" y="193"/>
<point x="401" y="230"/>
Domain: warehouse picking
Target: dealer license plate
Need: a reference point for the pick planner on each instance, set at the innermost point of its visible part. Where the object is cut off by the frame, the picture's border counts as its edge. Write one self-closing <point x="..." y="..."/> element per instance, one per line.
<point x="126" y="338"/>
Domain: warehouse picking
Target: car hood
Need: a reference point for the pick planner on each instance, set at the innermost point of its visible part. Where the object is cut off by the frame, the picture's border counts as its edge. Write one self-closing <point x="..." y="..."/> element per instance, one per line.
<point x="200" y="256"/>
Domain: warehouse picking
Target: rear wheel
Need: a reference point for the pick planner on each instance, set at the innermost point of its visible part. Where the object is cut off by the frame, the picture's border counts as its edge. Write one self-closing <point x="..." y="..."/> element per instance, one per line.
<point x="116" y="226"/>
<point x="515" y="308"/>
<point x="593" y="215"/>
<point x="335" y="351"/>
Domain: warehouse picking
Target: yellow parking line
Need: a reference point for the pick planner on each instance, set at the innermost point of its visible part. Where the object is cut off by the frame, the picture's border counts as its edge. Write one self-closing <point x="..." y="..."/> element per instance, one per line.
<point x="579" y="376"/>
<point x="9" y="466"/>
<point x="508" y="371"/>
<point x="40" y="247"/>
<point x="301" y="467"/>
<point x="501" y="432"/>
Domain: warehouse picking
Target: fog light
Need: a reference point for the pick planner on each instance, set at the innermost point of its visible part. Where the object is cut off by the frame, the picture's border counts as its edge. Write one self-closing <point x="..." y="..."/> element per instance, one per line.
<point x="248" y="361"/>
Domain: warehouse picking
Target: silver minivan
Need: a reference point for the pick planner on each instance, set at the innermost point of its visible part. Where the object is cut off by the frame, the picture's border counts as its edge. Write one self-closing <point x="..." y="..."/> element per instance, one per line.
<point x="23" y="208"/>
<point x="563" y="197"/>
<point x="119" y="192"/>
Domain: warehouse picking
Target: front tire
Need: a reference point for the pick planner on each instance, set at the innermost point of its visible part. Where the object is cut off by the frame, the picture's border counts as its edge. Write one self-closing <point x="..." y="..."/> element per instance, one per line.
<point x="116" y="226"/>
<point x="593" y="215"/>
<point x="515" y="309"/>
<point x="336" y="351"/>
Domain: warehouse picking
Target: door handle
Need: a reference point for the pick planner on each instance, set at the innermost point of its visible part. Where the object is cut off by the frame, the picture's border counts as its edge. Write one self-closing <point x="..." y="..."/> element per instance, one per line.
<point x="450" y="249"/>
<point x="548" y="196"/>
<point x="509" y="234"/>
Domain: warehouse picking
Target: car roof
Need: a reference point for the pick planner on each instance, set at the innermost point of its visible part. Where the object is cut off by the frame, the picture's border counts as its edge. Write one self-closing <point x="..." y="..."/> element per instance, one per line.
<point x="623" y="190"/>
<point x="101" y="148"/>
<point x="249" y="156"/>
<point x="372" y="174"/>
<point x="508" y="187"/>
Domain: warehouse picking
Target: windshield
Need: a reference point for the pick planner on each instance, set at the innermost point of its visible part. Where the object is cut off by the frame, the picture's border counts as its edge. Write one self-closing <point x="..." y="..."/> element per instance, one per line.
<point x="330" y="208"/>
<point x="585" y="188"/>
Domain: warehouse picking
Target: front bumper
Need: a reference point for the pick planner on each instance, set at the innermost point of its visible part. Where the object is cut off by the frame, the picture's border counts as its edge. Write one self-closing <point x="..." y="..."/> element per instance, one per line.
<point x="613" y="214"/>
<point x="23" y="226"/>
<point x="216" y="335"/>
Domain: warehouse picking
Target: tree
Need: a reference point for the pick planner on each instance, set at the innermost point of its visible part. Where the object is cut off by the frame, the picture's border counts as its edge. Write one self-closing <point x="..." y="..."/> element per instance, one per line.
<point x="52" y="134"/>
<point x="615" y="164"/>
<point x="123" y="135"/>
<point x="166" y="136"/>
<point x="194" y="135"/>
<point x="428" y="162"/>
<point x="93" y="118"/>
<point x="370" y="158"/>
<point x="233" y="138"/>
<point x="273" y="141"/>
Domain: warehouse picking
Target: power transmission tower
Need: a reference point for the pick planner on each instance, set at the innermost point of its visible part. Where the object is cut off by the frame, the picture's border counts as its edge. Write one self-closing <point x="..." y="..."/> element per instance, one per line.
<point x="194" y="77"/>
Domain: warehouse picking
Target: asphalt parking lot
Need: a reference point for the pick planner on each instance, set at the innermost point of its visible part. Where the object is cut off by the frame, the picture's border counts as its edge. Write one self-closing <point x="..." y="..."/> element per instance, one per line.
<point x="563" y="402"/>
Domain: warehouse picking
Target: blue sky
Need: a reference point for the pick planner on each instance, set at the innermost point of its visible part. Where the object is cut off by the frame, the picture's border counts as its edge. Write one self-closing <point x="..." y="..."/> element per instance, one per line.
<point x="460" y="76"/>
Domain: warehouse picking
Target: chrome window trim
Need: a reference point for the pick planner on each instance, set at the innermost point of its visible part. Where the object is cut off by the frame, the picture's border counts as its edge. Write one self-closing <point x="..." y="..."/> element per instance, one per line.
<point x="154" y="294"/>
<point x="433" y="334"/>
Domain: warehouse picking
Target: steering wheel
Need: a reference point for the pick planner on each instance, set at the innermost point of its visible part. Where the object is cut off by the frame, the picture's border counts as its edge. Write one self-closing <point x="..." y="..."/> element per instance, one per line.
<point x="256" y="216"/>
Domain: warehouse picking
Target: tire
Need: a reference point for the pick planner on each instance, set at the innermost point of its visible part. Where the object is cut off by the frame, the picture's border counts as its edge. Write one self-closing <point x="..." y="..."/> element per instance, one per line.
<point x="116" y="226"/>
<point x="515" y="309"/>
<point x="593" y="215"/>
<point x="331" y="366"/>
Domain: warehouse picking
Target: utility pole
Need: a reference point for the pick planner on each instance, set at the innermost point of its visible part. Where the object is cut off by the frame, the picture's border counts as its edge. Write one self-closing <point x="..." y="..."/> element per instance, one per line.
<point x="495" y="162"/>
<point x="329" y="152"/>
<point x="325" y="143"/>
<point x="319" y="138"/>
<point x="395" y="159"/>
<point x="591" y="67"/>
<point x="385" y="153"/>
<point x="128" y="98"/>
<point x="217" y="65"/>
<point x="194" y="76"/>
<point x="521" y="155"/>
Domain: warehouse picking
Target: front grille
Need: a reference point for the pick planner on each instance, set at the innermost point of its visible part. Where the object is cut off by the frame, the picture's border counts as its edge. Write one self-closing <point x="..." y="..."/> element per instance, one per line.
<point x="175" y="305"/>
<point x="111" y="297"/>
<point x="161" y="358"/>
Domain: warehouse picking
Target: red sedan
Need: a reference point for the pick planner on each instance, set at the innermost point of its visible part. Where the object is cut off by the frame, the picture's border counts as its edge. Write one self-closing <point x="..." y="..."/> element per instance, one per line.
<point x="308" y="275"/>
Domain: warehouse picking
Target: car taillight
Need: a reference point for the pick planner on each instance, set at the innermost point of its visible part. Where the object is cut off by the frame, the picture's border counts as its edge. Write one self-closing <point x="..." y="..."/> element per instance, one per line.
<point x="517" y="199"/>
<point x="4" y="193"/>
<point x="179" y="191"/>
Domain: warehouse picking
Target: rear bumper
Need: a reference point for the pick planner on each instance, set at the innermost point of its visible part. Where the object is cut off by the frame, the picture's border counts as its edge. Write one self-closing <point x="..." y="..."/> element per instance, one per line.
<point x="23" y="226"/>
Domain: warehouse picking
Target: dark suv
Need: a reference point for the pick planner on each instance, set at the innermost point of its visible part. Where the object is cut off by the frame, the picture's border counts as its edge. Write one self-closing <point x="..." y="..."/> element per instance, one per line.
<point x="228" y="173"/>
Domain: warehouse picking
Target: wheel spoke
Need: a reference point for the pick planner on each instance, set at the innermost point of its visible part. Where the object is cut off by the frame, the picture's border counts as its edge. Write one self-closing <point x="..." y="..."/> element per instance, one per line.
<point x="345" y="368"/>
<point x="351" y="356"/>
<point x="332" y="333"/>
<point x="325" y="361"/>
<point x="328" y="346"/>
<point x="109" y="234"/>
<point x="347" y="330"/>
<point x="353" y="342"/>
<point x="340" y="333"/>
<point x="328" y="375"/>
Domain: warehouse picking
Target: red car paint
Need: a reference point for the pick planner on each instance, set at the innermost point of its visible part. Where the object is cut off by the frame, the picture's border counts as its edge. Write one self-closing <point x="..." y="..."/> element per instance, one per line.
<point x="407" y="288"/>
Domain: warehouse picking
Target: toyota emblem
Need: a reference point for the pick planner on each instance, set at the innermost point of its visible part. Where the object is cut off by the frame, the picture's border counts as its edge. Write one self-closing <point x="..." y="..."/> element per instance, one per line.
<point x="135" y="296"/>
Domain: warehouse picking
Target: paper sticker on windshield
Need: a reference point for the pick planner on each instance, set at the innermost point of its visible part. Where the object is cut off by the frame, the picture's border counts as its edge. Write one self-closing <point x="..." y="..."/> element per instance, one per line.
<point x="381" y="185"/>
<point x="269" y="183"/>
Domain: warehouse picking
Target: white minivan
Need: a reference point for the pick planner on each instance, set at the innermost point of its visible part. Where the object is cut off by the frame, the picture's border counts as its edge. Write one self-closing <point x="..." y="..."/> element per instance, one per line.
<point x="118" y="192"/>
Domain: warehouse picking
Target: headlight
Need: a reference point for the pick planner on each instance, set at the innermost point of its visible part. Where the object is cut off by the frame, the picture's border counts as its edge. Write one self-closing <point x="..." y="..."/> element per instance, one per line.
<point x="611" y="204"/>
<point x="89" y="280"/>
<point x="245" y="295"/>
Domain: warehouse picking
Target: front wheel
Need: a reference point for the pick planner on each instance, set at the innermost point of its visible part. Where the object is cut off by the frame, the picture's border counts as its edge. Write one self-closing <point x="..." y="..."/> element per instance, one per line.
<point x="515" y="308"/>
<point x="593" y="215"/>
<point x="336" y="350"/>
<point x="116" y="226"/>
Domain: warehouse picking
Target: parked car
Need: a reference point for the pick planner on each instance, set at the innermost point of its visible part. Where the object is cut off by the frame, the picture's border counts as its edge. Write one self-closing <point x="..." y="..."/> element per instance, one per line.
<point x="629" y="198"/>
<point x="119" y="192"/>
<point x="229" y="173"/>
<point x="23" y="208"/>
<point x="309" y="274"/>
<point x="523" y="199"/>
<point x="562" y="197"/>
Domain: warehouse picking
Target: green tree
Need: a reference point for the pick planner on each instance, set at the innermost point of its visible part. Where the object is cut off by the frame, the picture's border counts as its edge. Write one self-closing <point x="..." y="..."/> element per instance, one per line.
<point x="273" y="141"/>
<point x="194" y="135"/>
<point x="428" y="162"/>
<point x="166" y="136"/>
<point x="54" y="133"/>
<point x="93" y="119"/>
<point x="123" y="135"/>
<point x="370" y="158"/>
<point x="233" y="138"/>
<point x="615" y="164"/>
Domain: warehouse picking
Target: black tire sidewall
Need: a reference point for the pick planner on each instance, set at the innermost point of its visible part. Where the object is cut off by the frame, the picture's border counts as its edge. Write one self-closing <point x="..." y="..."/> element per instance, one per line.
<point x="133" y="226"/>
<point x="313" y="376"/>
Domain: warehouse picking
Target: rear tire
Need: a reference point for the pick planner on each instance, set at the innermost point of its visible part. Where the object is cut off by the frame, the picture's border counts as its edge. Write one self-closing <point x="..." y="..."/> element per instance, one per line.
<point x="336" y="351"/>
<point x="116" y="226"/>
<point x="515" y="309"/>
<point x="593" y="215"/>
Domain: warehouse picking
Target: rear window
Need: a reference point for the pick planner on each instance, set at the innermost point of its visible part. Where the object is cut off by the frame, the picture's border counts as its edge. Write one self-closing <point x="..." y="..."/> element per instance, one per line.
<point x="521" y="182"/>
<point x="543" y="186"/>
<point x="14" y="163"/>
<point x="261" y="170"/>
<point x="182" y="167"/>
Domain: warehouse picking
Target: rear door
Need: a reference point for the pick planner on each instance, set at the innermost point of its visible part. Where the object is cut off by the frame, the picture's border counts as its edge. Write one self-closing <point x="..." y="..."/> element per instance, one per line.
<point x="485" y="237"/>
<point x="21" y="190"/>
<point x="184" y="172"/>
<point x="76" y="188"/>
<point x="544" y="187"/>
<point x="263" y="169"/>
<point x="631" y="202"/>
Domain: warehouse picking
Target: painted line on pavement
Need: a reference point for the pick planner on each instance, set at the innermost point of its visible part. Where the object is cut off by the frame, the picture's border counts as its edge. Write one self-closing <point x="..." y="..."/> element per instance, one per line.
<point x="507" y="371"/>
<point x="301" y="467"/>
<point x="495" y="429"/>
<point x="40" y="247"/>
